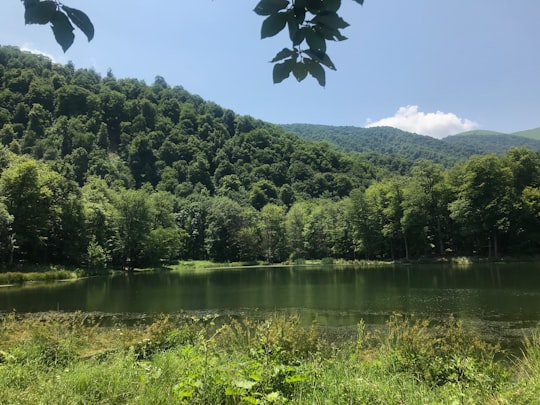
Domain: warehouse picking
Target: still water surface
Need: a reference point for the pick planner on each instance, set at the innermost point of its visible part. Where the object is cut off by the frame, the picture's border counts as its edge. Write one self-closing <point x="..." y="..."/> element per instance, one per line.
<point x="498" y="299"/>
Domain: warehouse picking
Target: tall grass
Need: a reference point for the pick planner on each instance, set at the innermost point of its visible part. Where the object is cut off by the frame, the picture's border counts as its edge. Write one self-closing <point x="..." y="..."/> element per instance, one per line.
<point x="70" y="358"/>
<point x="49" y="275"/>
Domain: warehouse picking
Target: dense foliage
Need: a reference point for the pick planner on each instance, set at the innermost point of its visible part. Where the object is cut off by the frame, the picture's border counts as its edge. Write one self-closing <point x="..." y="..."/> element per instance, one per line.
<point x="113" y="172"/>
<point x="491" y="143"/>
<point x="406" y="146"/>
<point x="72" y="358"/>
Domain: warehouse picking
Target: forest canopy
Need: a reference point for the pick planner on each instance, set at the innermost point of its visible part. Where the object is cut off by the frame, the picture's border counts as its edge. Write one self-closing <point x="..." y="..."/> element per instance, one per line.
<point x="113" y="172"/>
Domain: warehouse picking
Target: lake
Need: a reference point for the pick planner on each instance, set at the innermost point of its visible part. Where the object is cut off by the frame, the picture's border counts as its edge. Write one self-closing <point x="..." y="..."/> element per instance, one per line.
<point x="497" y="300"/>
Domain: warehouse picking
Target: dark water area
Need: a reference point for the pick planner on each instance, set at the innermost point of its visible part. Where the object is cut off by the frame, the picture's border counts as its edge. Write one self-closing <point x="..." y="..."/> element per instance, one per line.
<point x="498" y="300"/>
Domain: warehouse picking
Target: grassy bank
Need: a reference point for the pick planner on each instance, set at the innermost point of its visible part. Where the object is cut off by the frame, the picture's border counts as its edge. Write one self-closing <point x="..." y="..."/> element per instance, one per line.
<point x="18" y="275"/>
<point x="461" y="262"/>
<point x="37" y="273"/>
<point x="70" y="358"/>
<point x="202" y="265"/>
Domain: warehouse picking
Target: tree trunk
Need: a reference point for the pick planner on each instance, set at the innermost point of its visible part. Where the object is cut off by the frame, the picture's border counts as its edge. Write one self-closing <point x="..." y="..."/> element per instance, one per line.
<point x="406" y="247"/>
<point x="439" y="234"/>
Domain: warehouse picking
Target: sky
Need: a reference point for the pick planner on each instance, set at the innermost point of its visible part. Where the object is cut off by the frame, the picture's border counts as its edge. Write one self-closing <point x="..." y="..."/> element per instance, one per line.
<point x="430" y="67"/>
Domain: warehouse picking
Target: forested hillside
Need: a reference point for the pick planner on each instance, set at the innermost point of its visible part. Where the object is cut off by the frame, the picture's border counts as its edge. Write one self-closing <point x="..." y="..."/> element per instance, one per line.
<point x="491" y="143"/>
<point x="409" y="146"/>
<point x="99" y="171"/>
<point x="516" y="136"/>
<point x="529" y="133"/>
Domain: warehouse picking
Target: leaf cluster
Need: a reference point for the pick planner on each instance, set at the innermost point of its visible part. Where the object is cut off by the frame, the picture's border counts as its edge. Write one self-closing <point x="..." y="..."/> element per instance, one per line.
<point x="61" y="19"/>
<point x="310" y="24"/>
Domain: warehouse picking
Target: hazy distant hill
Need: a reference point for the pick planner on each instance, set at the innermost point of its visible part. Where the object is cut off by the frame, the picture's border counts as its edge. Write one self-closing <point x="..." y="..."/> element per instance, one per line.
<point x="480" y="132"/>
<point x="493" y="142"/>
<point x="393" y="141"/>
<point x="385" y="140"/>
<point x="530" y="133"/>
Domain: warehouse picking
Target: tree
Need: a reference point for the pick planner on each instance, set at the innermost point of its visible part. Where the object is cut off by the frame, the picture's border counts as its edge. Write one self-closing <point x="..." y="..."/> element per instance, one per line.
<point x="426" y="198"/>
<point x="483" y="205"/>
<point x="310" y="24"/>
<point x="366" y="234"/>
<point x="385" y="199"/>
<point x="224" y="223"/>
<point x="7" y="238"/>
<point x="273" y="232"/>
<point x="295" y="222"/>
<point x="47" y="213"/>
<point x="134" y="221"/>
<point x="25" y="201"/>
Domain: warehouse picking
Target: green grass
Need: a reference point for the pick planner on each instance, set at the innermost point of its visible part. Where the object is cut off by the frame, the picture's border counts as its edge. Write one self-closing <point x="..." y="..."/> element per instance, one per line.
<point x="69" y="358"/>
<point x="199" y="265"/>
<point x="37" y="274"/>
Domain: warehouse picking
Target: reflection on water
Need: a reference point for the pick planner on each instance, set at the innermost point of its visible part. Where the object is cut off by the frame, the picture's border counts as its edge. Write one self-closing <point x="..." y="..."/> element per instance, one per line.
<point x="502" y="298"/>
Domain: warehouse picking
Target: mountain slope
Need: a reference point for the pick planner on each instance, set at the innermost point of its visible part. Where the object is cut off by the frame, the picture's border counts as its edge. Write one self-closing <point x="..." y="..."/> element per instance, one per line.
<point x="480" y="132"/>
<point x="485" y="142"/>
<point x="529" y="133"/>
<point x="136" y="135"/>
<point x="409" y="146"/>
<point x="384" y="140"/>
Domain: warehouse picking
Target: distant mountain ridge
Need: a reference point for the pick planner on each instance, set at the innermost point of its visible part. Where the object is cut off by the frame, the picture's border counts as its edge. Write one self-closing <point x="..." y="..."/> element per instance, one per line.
<point x="533" y="133"/>
<point x="410" y="146"/>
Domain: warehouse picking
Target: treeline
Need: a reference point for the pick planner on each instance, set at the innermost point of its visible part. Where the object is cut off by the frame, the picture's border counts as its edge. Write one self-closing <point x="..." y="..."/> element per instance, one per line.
<point x="113" y="172"/>
<point x="487" y="206"/>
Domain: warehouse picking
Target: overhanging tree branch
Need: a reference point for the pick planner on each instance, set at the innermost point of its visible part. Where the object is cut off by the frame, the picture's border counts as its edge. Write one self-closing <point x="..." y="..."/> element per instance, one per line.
<point x="310" y="23"/>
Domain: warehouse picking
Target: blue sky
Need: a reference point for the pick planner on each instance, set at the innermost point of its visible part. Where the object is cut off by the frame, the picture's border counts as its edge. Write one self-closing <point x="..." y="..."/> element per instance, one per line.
<point x="430" y="67"/>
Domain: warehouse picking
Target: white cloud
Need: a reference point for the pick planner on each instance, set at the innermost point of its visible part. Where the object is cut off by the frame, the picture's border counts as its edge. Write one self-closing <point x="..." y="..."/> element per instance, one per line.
<point x="438" y="124"/>
<point x="31" y="49"/>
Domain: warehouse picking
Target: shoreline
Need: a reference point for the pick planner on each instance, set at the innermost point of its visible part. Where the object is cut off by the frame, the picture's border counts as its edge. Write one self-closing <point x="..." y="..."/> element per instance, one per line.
<point x="53" y="273"/>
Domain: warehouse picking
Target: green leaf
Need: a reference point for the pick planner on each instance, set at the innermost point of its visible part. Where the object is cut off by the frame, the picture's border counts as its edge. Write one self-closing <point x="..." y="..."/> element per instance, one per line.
<point x="81" y="20"/>
<point x="245" y="384"/>
<point x="299" y="13"/>
<point x="293" y="25"/>
<point x="330" y="19"/>
<point x="63" y="30"/>
<point x="284" y="53"/>
<point x="315" y="41"/>
<point x="295" y="378"/>
<point x="314" y="6"/>
<point x="317" y="72"/>
<point x="321" y="57"/>
<point x="300" y="36"/>
<point x="300" y="71"/>
<point x="269" y="7"/>
<point x="39" y="13"/>
<point x="331" y="34"/>
<point x="273" y="24"/>
<point x="274" y="397"/>
<point x="282" y="70"/>
<point x="332" y="5"/>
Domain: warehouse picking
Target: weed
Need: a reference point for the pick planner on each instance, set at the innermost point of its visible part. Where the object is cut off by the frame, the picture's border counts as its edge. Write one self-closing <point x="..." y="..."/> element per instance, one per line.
<point x="71" y="358"/>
